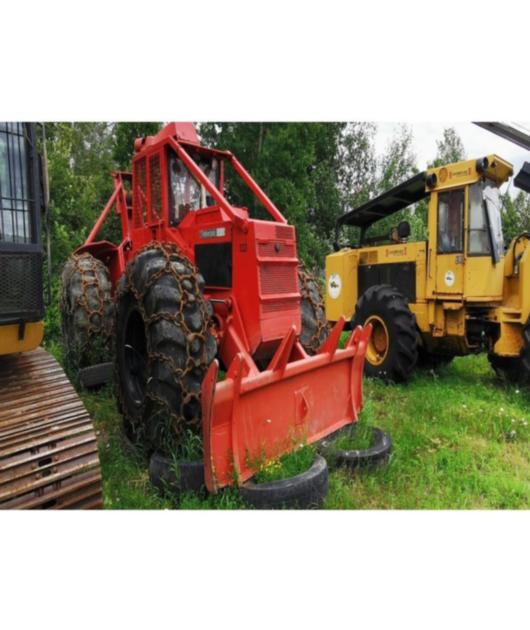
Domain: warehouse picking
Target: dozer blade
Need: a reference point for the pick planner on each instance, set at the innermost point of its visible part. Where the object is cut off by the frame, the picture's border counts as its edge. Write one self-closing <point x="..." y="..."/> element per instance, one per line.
<point x="48" y="449"/>
<point x="249" y="419"/>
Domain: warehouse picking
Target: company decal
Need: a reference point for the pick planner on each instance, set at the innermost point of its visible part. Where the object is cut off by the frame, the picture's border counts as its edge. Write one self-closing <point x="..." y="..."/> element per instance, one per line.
<point x="449" y="278"/>
<point x="334" y="285"/>
<point x="213" y="233"/>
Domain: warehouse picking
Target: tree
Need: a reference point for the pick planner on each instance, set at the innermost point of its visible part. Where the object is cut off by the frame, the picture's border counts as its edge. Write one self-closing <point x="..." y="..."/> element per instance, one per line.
<point x="449" y="149"/>
<point x="399" y="161"/>
<point x="397" y="164"/>
<point x="516" y="215"/>
<point x="125" y="133"/>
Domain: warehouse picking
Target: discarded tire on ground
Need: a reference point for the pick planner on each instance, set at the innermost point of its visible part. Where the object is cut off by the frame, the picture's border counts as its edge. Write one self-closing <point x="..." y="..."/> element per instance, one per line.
<point x="304" y="491"/>
<point x="314" y="325"/>
<point x="373" y="457"/>
<point x="87" y="311"/>
<point x="175" y="476"/>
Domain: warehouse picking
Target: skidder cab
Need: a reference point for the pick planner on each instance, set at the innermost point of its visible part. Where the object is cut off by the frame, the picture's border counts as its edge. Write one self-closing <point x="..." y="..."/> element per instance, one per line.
<point x="455" y="293"/>
<point x="198" y="286"/>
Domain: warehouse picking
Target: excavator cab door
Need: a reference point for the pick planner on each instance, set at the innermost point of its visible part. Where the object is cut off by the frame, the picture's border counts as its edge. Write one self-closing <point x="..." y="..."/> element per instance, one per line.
<point x="449" y="247"/>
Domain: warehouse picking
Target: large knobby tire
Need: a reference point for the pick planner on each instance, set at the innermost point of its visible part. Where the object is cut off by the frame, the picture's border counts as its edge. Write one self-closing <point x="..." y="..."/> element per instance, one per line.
<point x="314" y="325"/>
<point x="164" y="346"/>
<point x="392" y="351"/>
<point x="304" y="491"/>
<point x="514" y="369"/>
<point x="87" y="311"/>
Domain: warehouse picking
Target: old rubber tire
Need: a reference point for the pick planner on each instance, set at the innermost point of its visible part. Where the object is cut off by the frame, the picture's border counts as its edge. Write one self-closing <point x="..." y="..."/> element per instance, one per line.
<point x="87" y="311"/>
<point x="304" y="491"/>
<point x="376" y="456"/>
<point x="392" y="351"/>
<point x="164" y="346"/>
<point x="314" y="325"/>
<point x="173" y="477"/>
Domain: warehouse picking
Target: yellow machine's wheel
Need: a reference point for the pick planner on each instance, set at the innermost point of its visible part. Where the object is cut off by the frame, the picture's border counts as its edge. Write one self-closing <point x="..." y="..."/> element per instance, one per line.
<point x="379" y="341"/>
<point x="514" y="369"/>
<point x="392" y="351"/>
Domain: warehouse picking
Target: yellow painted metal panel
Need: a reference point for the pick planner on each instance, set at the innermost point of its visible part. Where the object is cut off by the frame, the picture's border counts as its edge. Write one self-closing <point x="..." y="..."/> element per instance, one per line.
<point x="341" y="284"/>
<point x="11" y="344"/>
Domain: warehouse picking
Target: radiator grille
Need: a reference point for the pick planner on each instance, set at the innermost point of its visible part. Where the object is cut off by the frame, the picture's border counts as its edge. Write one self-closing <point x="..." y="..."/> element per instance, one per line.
<point x="278" y="278"/>
<point x="285" y="250"/>
<point x="21" y="287"/>
<point x="279" y="307"/>
<point x="285" y="231"/>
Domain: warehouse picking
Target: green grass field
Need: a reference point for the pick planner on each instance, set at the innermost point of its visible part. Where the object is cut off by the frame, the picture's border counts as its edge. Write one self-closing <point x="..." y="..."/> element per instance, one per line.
<point x="461" y="440"/>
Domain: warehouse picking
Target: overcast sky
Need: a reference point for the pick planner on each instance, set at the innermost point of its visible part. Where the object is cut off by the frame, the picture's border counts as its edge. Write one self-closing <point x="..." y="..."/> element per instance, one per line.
<point x="477" y="142"/>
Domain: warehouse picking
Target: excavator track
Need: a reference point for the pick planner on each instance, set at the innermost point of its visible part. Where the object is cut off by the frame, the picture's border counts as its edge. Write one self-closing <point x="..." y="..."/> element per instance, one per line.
<point x="48" y="448"/>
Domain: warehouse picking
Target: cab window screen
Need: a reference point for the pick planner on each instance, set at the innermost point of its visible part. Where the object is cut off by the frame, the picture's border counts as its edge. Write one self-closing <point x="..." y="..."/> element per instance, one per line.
<point x="451" y="221"/>
<point x="185" y="193"/>
<point x="15" y="201"/>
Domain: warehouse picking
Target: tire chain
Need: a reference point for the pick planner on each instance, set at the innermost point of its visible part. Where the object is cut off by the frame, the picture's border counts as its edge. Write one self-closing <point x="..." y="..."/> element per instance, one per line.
<point x="197" y="363"/>
<point x="310" y="291"/>
<point x="87" y="268"/>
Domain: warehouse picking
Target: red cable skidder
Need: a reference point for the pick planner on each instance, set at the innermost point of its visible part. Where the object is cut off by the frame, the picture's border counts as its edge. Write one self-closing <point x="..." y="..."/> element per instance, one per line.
<point x="198" y="284"/>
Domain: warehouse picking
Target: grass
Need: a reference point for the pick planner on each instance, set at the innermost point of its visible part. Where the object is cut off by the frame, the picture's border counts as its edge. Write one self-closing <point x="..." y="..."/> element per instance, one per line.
<point x="288" y="465"/>
<point x="358" y="437"/>
<point x="461" y="440"/>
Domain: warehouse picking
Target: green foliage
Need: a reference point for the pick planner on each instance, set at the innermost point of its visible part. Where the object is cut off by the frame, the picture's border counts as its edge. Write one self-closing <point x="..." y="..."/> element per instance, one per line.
<point x="450" y="148"/>
<point x="396" y="166"/>
<point x="124" y="136"/>
<point x="289" y="465"/>
<point x="516" y="215"/>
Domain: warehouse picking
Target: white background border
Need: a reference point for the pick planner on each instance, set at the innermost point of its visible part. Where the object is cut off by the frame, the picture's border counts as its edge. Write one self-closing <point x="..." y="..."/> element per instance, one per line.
<point x="264" y="61"/>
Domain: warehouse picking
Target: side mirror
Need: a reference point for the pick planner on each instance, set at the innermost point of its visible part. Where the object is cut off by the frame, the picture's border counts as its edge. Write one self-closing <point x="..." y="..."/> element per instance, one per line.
<point x="522" y="180"/>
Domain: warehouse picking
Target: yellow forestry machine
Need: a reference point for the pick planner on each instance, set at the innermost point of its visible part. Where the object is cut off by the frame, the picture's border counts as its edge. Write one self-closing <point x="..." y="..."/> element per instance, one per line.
<point x="48" y="449"/>
<point x="456" y="293"/>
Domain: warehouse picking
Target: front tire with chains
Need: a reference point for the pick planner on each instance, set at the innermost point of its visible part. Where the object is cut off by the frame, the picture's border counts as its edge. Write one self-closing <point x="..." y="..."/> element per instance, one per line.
<point x="87" y="311"/>
<point x="314" y="325"/>
<point x="164" y="346"/>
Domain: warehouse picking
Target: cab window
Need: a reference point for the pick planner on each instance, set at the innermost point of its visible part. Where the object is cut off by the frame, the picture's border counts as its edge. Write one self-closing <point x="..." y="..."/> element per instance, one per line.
<point x="479" y="238"/>
<point x="15" y="201"/>
<point x="185" y="193"/>
<point x="451" y="221"/>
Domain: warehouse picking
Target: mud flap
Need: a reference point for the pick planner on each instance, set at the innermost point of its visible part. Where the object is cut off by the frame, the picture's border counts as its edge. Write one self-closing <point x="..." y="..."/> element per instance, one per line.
<point x="250" y="418"/>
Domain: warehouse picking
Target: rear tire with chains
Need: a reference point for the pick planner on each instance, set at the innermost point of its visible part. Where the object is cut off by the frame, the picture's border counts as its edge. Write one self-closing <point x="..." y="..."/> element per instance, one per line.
<point x="514" y="369"/>
<point x="87" y="311"/>
<point x="385" y="307"/>
<point x="314" y="325"/>
<point x="164" y="346"/>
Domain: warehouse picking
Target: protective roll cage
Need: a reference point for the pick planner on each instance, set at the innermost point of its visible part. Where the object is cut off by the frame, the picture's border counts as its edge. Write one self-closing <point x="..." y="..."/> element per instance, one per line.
<point x="119" y="195"/>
